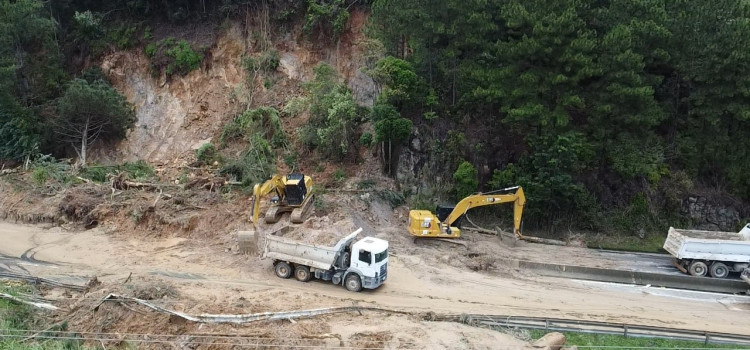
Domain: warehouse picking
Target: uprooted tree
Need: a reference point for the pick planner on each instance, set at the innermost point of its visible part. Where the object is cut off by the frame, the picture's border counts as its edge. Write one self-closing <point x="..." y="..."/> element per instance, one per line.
<point x="90" y="111"/>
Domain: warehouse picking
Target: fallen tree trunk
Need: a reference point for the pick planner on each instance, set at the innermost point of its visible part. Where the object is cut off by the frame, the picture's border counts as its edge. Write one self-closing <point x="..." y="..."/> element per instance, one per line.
<point x="247" y="318"/>
<point x="550" y="341"/>
<point x="28" y="302"/>
<point x="40" y="280"/>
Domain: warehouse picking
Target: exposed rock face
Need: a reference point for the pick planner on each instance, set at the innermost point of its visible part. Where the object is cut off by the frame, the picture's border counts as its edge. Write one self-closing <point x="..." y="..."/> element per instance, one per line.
<point x="173" y="115"/>
<point x="711" y="215"/>
<point x="290" y="65"/>
<point x="363" y="89"/>
<point x="412" y="160"/>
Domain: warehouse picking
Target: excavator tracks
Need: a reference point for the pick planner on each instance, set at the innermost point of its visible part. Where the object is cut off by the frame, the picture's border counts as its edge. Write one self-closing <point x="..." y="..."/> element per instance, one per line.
<point x="273" y="214"/>
<point x="300" y="214"/>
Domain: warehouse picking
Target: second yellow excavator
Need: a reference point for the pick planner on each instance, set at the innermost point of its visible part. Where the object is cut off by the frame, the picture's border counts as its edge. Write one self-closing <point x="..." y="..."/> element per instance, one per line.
<point x="293" y="193"/>
<point x="423" y="223"/>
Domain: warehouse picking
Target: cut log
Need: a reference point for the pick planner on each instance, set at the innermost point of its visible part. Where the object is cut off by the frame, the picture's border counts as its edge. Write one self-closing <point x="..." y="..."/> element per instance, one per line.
<point x="550" y="341"/>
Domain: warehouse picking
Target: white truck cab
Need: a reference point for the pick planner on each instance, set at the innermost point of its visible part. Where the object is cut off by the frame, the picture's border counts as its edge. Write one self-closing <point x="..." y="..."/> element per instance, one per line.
<point x="369" y="259"/>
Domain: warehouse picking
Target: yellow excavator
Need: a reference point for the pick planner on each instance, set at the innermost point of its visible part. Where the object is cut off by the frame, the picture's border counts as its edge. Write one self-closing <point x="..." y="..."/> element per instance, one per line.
<point x="293" y="193"/>
<point x="423" y="223"/>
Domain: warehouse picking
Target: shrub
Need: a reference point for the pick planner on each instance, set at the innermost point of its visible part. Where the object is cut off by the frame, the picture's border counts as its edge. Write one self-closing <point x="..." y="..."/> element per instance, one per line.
<point x="466" y="181"/>
<point x="263" y="120"/>
<point x="175" y="57"/>
<point x="294" y="107"/>
<point x="339" y="175"/>
<point x="366" y="184"/>
<point x="365" y="139"/>
<point x="207" y="154"/>
<point x="268" y="61"/>
<point x="138" y="170"/>
<point x="254" y="165"/>
<point x="393" y="198"/>
<point x="150" y="50"/>
<point x="47" y="168"/>
<point x="40" y="176"/>
<point x="185" y="59"/>
<point x="123" y="36"/>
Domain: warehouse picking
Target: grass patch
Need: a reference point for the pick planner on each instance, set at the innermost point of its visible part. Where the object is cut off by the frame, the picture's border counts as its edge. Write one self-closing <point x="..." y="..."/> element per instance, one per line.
<point x="137" y="171"/>
<point x="604" y="342"/>
<point x="16" y="317"/>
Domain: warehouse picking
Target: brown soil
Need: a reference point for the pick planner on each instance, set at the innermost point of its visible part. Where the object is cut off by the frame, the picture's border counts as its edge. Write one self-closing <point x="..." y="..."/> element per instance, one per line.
<point x="316" y="230"/>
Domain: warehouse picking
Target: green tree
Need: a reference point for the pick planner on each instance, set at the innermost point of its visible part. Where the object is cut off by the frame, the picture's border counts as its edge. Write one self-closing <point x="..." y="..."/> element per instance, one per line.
<point x="333" y="116"/>
<point x="549" y="175"/>
<point x="327" y="17"/>
<point x="89" y="111"/>
<point x="391" y="131"/>
<point x="707" y="92"/>
<point x="401" y="84"/>
<point x="30" y="74"/>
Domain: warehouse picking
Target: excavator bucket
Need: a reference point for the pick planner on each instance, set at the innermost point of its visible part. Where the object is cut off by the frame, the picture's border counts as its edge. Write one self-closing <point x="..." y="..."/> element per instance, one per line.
<point x="248" y="241"/>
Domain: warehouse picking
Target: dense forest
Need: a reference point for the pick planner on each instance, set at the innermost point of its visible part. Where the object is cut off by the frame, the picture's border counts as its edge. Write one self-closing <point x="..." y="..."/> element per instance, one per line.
<point x="605" y="111"/>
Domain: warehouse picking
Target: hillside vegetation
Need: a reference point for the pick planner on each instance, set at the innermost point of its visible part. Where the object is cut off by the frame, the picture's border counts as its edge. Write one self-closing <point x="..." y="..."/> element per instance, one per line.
<point x="609" y="114"/>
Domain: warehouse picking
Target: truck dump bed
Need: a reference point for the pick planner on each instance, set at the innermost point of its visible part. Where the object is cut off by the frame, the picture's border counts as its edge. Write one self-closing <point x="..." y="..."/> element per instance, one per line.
<point x="275" y="246"/>
<point x="707" y="245"/>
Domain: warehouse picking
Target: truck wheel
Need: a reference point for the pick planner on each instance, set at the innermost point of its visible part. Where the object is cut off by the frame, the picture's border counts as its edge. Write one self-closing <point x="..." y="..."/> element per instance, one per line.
<point x="302" y="273"/>
<point x="719" y="270"/>
<point x="353" y="283"/>
<point x="698" y="268"/>
<point x="283" y="270"/>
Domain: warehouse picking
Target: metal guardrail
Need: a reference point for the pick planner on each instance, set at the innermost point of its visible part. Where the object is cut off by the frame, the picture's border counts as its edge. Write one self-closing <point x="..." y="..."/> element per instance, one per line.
<point x="596" y="327"/>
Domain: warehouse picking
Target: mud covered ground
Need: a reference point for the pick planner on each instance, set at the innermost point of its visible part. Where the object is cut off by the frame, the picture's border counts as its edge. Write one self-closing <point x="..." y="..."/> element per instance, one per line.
<point x="183" y="255"/>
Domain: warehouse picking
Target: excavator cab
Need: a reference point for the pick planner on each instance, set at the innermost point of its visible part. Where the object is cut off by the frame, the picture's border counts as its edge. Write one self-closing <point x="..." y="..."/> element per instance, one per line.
<point x="295" y="189"/>
<point x="442" y="212"/>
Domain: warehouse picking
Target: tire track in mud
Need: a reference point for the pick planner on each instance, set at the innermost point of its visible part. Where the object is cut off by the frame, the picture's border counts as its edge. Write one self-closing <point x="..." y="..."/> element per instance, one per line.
<point x="14" y="264"/>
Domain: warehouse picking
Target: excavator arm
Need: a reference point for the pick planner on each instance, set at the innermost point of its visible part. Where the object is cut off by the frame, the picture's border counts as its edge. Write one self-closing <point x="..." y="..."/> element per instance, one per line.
<point x="480" y="199"/>
<point x="276" y="183"/>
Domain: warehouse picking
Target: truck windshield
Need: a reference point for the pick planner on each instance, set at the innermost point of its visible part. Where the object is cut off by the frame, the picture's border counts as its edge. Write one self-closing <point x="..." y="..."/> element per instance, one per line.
<point x="381" y="256"/>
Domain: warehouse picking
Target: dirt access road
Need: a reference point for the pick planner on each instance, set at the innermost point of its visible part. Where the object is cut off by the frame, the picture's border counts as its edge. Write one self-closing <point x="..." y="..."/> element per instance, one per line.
<point x="215" y="276"/>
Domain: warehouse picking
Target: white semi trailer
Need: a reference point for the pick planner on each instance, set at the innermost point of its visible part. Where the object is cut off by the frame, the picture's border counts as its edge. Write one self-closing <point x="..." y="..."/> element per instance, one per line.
<point x="712" y="253"/>
<point x="356" y="265"/>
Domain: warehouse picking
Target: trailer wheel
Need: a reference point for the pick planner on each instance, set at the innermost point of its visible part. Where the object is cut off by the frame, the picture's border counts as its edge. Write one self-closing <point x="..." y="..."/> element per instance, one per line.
<point x="698" y="268"/>
<point x="353" y="283"/>
<point x="283" y="270"/>
<point x="302" y="273"/>
<point x="719" y="270"/>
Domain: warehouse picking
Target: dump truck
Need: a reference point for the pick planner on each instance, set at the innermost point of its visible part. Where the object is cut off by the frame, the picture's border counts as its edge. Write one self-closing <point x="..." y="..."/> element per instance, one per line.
<point x="355" y="265"/>
<point x="712" y="253"/>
